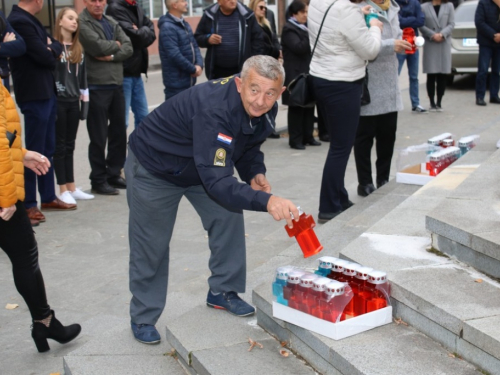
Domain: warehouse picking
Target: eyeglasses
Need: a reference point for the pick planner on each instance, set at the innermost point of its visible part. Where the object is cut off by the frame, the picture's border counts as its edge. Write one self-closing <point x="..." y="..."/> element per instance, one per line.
<point x="262" y="7"/>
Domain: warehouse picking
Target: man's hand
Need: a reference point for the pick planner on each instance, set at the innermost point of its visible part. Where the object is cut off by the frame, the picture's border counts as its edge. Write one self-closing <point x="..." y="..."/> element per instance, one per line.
<point x="119" y="44"/>
<point x="104" y="58"/>
<point x="215" y="39"/>
<point x="49" y="41"/>
<point x="280" y="208"/>
<point x="401" y="46"/>
<point x="6" y="213"/>
<point x="9" y="37"/>
<point x="260" y="183"/>
<point x="135" y="27"/>
<point x="496" y="38"/>
<point x="36" y="162"/>
<point x="198" y="72"/>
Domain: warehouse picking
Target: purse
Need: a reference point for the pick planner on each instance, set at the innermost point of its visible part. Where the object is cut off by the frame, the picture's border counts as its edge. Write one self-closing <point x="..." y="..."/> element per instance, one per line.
<point x="11" y="137"/>
<point x="300" y="87"/>
<point x="365" y="94"/>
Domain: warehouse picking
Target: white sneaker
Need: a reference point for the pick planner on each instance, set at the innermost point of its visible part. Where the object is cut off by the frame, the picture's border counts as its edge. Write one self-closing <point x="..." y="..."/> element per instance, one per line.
<point x="419" y="109"/>
<point x="78" y="194"/>
<point x="66" y="197"/>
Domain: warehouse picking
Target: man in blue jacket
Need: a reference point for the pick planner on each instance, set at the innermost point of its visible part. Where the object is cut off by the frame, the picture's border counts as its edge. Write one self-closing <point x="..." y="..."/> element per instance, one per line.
<point x="488" y="37"/>
<point x="11" y="45"/>
<point x="411" y="15"/>
<point x="180" y="56"/>
<point x="231" y="34"/>
<point x="35" y="90"/>
<point x="190" y="146"/>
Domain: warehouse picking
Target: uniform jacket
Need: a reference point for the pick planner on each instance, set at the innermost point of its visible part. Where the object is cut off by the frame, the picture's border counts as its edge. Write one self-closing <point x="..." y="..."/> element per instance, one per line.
<point x="32" y="72"/>
<point x="410" y="14"/>
<point x="128" y="15"/>
<point x="437" y="56"/>
<point x="296" y="54"/>
<point x="383" y="81"/>
<point x="179" y="53"/>
<point x="11" y="158"/>
<point x="487" y="23"/>
<point x="13" y="48"/>
<point x="344" y="44"/>
<point x="200" y="136"/>
<point x="251" y="35"/>
<point x="95" y="44"/>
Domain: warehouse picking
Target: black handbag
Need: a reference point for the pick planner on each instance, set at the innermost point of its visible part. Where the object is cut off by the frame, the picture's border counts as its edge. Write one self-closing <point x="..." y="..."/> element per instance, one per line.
<point x="11" y="137"/>
<point x="365" y="94"/>
<point x="300" y="87"/>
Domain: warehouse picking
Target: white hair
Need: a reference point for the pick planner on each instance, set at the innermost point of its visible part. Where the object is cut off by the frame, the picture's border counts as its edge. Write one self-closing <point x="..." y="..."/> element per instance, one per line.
<point x="265" y="66"/>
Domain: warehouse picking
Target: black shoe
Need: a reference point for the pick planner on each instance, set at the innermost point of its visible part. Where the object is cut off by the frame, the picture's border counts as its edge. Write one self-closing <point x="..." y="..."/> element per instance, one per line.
<point x="495" y="100"/>
<point x="365" y="190"/>
<point x="55" y="331"/>
<point x="273" y="135"/>
<point x="298" y="147"/>
<point x="324" y="138"/>
<point x="313" y="142"/>
<point x="346" y="205"/>
<point x="324" y="217"/>
<point x="104" y="189"/>
<point x="381" y="183"/>
<point x="480" y="102"/>
<point x="117" y="182"/>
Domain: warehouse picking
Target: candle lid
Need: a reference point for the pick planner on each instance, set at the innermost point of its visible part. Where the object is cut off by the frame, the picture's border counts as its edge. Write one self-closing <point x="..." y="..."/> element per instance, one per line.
<point x="338" y="265"/>
<point x="377" y="277"/>
<point x="307" y="279"/>
<point x="351" y="268"/>
<point x="362" y="272"/>
<point x="282" y="272"/>
<point x="319" y="284"/>
<point x="326" y="262"/>
<point x="335" y="288"/>
<point x="294" y="276"/>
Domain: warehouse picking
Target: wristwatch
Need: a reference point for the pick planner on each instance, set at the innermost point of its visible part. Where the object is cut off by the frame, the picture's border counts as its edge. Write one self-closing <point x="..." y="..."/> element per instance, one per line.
<point x="112" y="57"/>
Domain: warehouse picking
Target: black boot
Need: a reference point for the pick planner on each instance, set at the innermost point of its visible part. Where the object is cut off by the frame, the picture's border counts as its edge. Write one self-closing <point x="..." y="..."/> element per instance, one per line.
<point x="55" y="331"/>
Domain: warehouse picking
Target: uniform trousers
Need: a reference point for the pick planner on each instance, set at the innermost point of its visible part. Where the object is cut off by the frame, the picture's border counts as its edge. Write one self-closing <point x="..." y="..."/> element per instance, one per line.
<point x="382" y="128"/>
<point x="339" y="103"/>
<point x="153" y="204"/>
<point x="18" y="241"/>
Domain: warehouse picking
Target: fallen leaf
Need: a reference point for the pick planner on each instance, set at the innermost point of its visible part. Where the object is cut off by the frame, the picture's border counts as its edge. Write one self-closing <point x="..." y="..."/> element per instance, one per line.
<point x="284" y="352"/>
<point x="55" y="373"/>
<point x="478" y="280"/>
<point x="11" y="306"/>
<point x="254" y="343"/>
<point x="451" y="355"/>
<point x="399" y="321"/>
<point x="283" y="344"/>
<point x="246" y="234"/>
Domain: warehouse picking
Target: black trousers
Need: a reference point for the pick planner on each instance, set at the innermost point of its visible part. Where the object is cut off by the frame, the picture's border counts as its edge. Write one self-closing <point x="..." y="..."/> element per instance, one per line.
<point x="300" y="125"/>
<point x="68" y="119"/>
<point x="339" y="103"/>
<point x="436" y="82"/>
<point x="106" y="106"/>
<point x="322" y="130"/>
<point x="18" y="241"/>
<point x="382" y="128"/>
<point x="218" y="72"/>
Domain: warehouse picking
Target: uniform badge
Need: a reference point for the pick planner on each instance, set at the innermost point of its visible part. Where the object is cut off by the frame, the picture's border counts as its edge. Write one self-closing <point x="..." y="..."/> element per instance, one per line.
<point x="220" y="157"/>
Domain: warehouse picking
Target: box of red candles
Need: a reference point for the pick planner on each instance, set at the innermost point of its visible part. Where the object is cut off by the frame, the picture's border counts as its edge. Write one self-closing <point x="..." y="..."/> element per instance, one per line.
<point x="338" y="300"/>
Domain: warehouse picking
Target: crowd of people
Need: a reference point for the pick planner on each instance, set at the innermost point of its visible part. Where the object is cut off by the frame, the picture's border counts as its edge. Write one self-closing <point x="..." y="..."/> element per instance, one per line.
<point x="91" y="69"/>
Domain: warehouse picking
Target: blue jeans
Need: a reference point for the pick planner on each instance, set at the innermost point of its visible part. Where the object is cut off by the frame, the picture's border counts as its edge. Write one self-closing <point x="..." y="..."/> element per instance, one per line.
<point x="487" y="54"/>
<point x="133" y="90"/>
<point x="412" y="61"/>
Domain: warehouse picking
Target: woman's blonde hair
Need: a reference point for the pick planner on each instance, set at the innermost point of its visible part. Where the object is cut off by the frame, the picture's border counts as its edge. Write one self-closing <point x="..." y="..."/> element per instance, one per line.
<point x="76" y="50"/>
<point x="263" y="21"/>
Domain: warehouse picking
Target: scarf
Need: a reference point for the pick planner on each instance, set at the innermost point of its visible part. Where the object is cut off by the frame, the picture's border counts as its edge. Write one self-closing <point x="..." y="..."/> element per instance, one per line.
<point x="299" y="25"/>
<point x="380" y="8"/>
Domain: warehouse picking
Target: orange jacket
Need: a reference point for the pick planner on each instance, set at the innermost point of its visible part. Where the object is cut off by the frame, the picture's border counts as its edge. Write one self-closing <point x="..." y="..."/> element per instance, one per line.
<point x="11" y="158"/>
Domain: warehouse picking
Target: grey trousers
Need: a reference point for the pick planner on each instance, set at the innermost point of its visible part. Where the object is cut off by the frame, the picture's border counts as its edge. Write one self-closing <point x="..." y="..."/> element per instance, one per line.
<point x="153" y="205"/>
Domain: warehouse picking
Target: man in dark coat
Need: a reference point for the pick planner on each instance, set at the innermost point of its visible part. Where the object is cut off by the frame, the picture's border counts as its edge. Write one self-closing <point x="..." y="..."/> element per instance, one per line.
<point x="488" y="38"/>
<point x="180" y="56"/>
<point x="141" y="32"/>
<point x="35" y="91"/>
<point x="190" y="146"/>
<point x="231" y="35"/>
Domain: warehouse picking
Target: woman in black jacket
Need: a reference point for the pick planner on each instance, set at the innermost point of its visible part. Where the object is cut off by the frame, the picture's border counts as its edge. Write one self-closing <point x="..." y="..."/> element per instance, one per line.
<point x="271" y="41"/>
<point x="297" y="56"/>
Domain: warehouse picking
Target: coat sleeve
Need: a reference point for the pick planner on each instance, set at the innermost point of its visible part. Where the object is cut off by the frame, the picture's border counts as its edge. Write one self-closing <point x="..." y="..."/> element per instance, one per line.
<point x="141" y="37"/>
<point x="258" y="45"/>
<point x="426" y="31"/>
<point x="415" y="20"/>
<point x="8" y="190"/>
<point x="480" y="20"/>
<point x="203" y="31"/>
<point x="448" y="29"/>
<point x="172" y="43"/>
<point x="14" y="48"/>
<point x="93" y="44"/>
<point x="197" y="52"/>
<point x="126" y="50"/>
<point x="296" y="44"/>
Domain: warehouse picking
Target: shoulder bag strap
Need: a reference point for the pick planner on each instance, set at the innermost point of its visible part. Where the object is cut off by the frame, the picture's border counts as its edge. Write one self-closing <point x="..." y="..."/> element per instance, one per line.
<point x="319" y="31"/>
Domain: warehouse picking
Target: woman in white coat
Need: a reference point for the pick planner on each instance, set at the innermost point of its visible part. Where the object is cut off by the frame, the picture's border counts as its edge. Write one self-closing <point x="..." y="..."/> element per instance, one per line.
<point x="439" y="23"/>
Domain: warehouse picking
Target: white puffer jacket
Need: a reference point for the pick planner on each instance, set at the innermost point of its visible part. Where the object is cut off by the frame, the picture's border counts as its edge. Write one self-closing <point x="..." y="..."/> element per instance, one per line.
<point x="345" y="42"/>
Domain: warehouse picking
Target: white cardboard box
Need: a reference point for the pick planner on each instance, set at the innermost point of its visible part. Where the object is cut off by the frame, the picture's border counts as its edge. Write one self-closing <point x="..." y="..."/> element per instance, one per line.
<point x="414" y="175"/>
<point x="336" y="331"/>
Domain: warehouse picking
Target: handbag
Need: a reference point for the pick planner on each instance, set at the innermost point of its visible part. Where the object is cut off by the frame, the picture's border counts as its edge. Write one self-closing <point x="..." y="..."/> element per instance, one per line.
<point x="365" y="94"/>
<point x="11" y="137"/>
<point x="300" y="87"/>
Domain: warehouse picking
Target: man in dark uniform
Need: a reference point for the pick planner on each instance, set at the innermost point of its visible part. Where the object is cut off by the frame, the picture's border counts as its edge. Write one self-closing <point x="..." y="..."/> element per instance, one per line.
<point x="189" y="146"/>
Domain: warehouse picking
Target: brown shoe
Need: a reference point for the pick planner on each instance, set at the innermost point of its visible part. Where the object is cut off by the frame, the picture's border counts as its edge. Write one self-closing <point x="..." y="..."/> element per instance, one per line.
<point x="35" y="214"/>
<point x="58" y="205"/>
<point x="34" y="223"/>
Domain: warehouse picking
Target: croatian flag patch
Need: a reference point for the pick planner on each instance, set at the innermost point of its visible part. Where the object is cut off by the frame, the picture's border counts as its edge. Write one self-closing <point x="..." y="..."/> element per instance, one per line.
<point x="224" y="138"/>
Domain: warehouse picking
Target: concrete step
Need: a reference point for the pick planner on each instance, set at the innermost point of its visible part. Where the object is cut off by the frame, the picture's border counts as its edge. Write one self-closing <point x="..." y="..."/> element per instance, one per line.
<point x="465" y="224"/>
<point x="438" y="296"/>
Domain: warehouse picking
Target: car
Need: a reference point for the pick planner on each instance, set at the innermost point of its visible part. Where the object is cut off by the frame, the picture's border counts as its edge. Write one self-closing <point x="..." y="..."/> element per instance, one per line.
<point x="464" y="47"/>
